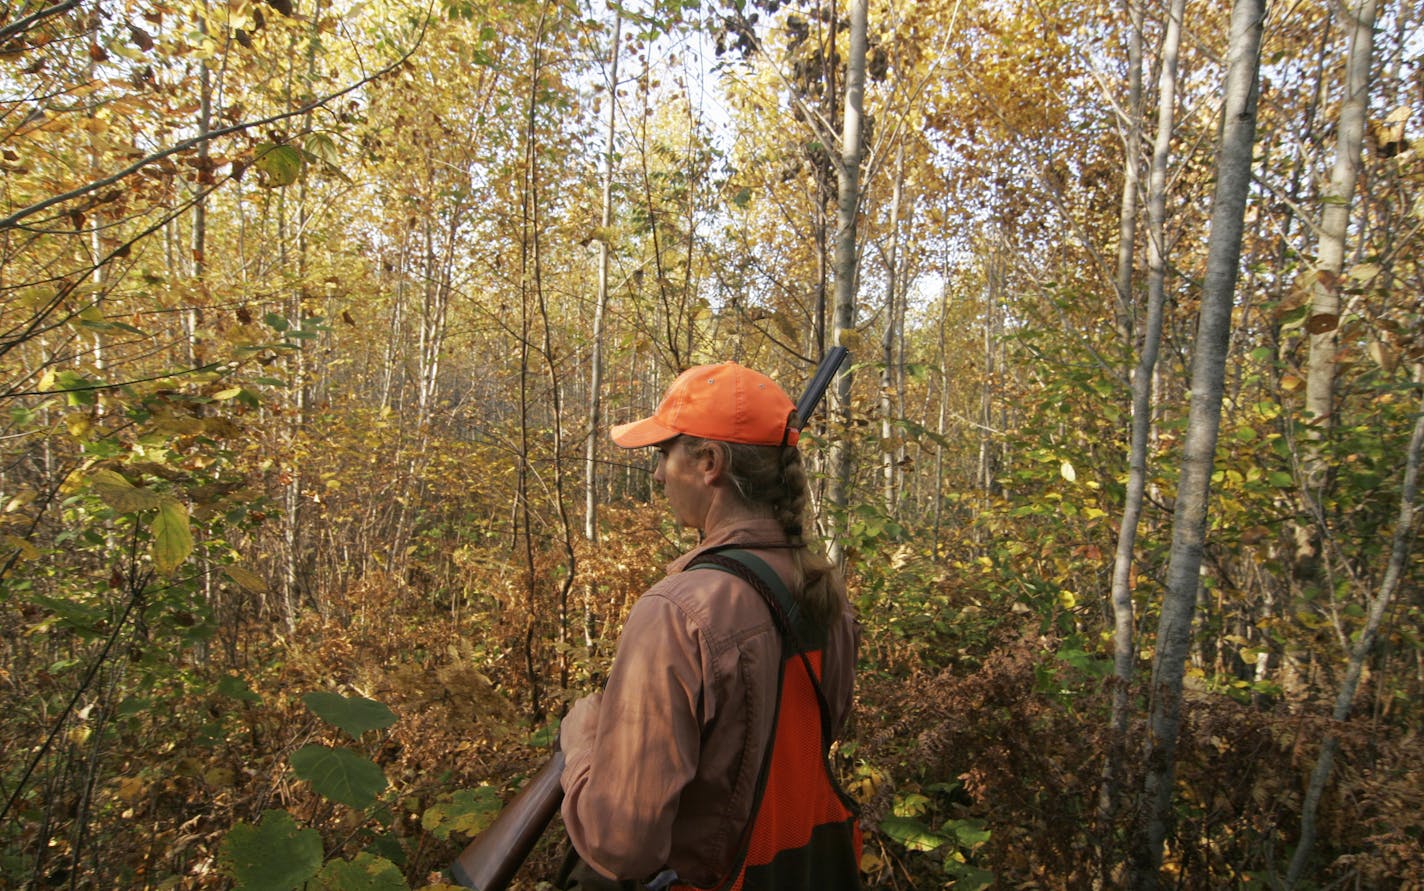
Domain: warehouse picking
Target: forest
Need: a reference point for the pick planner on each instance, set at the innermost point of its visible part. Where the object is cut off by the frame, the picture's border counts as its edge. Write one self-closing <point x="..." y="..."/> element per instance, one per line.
<point x="314" y="316"/>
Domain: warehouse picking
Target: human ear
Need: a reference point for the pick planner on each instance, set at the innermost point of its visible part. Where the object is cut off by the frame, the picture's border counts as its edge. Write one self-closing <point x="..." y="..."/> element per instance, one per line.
<point x="713" y="463"/>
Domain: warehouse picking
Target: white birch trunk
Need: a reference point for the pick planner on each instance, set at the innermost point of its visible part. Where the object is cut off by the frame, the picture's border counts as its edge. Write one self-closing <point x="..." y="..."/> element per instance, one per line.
<point x="1174" y="634"/>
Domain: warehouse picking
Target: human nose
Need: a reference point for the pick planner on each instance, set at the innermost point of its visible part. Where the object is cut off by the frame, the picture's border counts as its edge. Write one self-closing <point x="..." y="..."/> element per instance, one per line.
<point x="658" y="476"/>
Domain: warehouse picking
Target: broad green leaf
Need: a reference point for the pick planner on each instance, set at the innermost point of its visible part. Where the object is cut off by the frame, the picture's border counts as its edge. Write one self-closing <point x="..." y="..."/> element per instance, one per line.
<point x="172" y="539"/>
<point x="365" y="873"/>
<point x="120" y="494"/>
<point x="468" y="811"/>
<point x="274" y="855"/>
<point x="355" y="715"/>
<point x="340" y="774"/>
<point x="281" y="163"/>
<point x="912" y="833"/>
<point x="971" y="833"/>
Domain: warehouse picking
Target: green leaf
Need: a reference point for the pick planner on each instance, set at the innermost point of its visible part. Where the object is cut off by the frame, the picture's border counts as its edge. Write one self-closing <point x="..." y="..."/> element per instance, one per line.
<point x="468" y="811"/>
<point x="365" y="873"/>
<point x="911" y="805"/>
<point x="1282" y="480"/>
<point x="172" y="538"/>
<point x="282" y="164"/>
<point x="321" y="147"/>
<point x="340" y="774"/>
<point x="274" y="855"/>
<point x="971" y="833"/>
<point x="236" y="688"/>
<point x="911" y="833"/>
<point x="120" y="494"/>
<point x="355" y="715"/>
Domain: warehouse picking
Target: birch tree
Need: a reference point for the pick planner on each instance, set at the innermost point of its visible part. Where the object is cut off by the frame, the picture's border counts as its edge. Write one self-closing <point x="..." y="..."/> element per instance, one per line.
<point x="848" y="206"/>
<point x="1124" y="626"/>
<point x="1174" y="633"/>
<point x="1324" y="321"/>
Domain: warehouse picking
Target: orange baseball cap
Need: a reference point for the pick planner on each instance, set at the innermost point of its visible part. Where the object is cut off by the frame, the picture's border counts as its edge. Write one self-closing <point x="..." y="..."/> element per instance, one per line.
<point x="727" y="402"/>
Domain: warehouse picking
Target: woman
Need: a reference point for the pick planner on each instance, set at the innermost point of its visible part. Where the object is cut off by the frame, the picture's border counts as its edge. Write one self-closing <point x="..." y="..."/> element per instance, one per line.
<point x="670" y="770"/>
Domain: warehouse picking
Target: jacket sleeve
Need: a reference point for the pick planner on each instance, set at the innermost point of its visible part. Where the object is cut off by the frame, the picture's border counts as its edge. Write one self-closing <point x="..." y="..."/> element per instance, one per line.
<point x="623" y="780"/>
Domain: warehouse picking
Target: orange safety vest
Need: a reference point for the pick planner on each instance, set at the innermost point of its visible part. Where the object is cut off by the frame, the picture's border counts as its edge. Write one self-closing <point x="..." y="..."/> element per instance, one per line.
<point x="804" y="834"/>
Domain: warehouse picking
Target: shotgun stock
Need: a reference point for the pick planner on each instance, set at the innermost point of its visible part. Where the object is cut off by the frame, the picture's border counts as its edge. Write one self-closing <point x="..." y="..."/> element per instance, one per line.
<point x="491" y="859"/>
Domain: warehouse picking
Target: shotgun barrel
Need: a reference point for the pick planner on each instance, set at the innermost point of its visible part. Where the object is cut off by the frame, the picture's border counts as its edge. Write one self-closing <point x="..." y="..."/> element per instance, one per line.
<point x="491" y="859"/>
<point x="830" y="363"/>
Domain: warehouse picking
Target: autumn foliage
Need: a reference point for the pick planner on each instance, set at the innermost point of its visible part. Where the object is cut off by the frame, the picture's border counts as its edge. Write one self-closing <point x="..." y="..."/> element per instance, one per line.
<point x="309" y="529"/>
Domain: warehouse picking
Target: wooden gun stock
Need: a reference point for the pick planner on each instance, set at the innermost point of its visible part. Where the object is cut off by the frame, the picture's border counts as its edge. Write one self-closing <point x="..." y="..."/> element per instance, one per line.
<point x="491" y="859"/>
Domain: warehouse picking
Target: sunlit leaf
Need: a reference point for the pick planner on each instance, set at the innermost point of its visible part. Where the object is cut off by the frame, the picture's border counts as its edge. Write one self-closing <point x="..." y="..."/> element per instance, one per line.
<point x="246" y="578"/>
<point x="366" y="872"/>
<point x="468" y="811"/>
<point x="911" y="833"/>
<point x="172" y="537"/>
<point x="120" y="494"/>
<point x="282" y="164"/>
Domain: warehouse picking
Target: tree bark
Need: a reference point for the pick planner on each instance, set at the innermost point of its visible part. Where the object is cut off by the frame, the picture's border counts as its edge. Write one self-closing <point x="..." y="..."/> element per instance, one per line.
<point x="890" y="347"/>
<point x="1360" y="652"/>
<point x="1233" y="181"/>
<point x="1124" y="624"/>
<point x="1132" y="150"/>
<point x="1324" y="320"/>
<point x="845" y="309"/>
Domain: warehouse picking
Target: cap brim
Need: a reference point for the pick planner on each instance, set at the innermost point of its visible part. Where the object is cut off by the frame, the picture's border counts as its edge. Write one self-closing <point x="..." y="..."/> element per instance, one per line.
<point x="641" y="433"/>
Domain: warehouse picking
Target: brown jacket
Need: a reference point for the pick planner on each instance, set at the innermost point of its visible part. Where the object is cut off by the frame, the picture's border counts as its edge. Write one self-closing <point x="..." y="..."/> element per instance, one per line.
<point x="667" y="775"/>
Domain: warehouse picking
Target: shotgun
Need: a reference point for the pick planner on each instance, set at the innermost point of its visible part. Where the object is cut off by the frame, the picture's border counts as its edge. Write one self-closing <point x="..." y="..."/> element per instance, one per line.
<point x="491" y="859"/>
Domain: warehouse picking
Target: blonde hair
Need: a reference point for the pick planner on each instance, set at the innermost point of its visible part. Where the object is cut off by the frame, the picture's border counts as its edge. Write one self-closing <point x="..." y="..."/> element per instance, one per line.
<point x="772" y="478"/>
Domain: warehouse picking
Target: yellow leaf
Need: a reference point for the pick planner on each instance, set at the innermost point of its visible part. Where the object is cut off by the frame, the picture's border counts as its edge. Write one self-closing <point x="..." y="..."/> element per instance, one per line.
<point x="246" y="578"/>
<point x="14" y="542"/>
<point x="172" y="539"/>
<point x="218" y="777"/>
<point x="118" y="493"/>
<point x="1067" y="599"/>
<point x="1068" y="472"/>
<point x="78" y="424"/>
<point x="848" y="338"/>
<point x="229" y="393"/>
<point x="131" y="790"/>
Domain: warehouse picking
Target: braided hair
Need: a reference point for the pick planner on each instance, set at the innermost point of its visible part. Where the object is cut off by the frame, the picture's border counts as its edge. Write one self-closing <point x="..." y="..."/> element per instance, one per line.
<point x="773" y="479"/>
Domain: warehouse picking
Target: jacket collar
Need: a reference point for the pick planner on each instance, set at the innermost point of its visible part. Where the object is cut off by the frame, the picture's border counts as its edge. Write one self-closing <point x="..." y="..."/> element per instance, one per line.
<point x="759" y="532"/>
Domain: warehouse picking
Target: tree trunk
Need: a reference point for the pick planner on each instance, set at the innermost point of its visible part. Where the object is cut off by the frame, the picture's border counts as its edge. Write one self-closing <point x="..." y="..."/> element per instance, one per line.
<point x="1124" y="625"/>
<point x="1324" y="320"/>
<point x="595" y="378"/>
<point x="845" y="310"/>
<point x="1132" y="151"/>
<point x="1398" y="556"/>
<point x="889" y="346"/>
<point x="1233" y="181"/>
